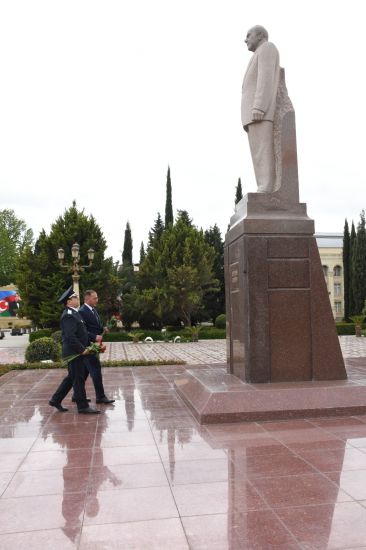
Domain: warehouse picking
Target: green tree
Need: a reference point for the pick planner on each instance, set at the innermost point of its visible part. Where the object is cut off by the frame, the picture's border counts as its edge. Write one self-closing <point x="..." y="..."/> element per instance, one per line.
<point x="238" y="192"/>
<point x="41" y="280"/>
<point x="15" y="237"/>
<point x="156" y="231"/>
<point x="359" y="266"/>
<point x="214" y="302"/>
<point x="169" y="219"/>
<point x="142" y="252"/>
<point x="177" y="273"/>
<point x="346" y="269"/>
<point x="127" y="246"/>
<point x="352" y="244"/>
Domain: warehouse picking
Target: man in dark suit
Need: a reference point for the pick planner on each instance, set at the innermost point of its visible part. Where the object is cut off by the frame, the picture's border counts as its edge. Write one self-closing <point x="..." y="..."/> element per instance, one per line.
<point x="75" y="340"/>
<point x="95" y="330"/>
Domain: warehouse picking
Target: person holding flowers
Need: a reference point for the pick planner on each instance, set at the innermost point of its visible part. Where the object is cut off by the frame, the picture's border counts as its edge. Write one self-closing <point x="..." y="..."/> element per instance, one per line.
<point x="75" y="340"/>
<point x="95" y="330"/>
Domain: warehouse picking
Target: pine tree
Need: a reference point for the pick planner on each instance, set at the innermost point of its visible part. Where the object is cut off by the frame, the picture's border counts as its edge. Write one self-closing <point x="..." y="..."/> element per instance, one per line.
<point x="127" y="246"/>
<point x="238" y="192"/>
<point x="359" y="266"/>
<point x="41" y="280"/>
<point x="156" y="231"/>
<point x="346" y="269"/>
<point x="352" y="244"/>
<point x="214" y="302"/>
<point x="169" y="220"/>
<point x="142" y="252"/>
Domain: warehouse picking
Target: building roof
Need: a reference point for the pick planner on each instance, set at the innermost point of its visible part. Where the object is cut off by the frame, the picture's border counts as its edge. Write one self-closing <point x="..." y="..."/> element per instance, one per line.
<point x="329" y="240"/>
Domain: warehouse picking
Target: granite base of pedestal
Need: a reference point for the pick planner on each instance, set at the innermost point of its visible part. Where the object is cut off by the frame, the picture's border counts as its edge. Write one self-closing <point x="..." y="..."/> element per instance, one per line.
<point x="215" y="396"/>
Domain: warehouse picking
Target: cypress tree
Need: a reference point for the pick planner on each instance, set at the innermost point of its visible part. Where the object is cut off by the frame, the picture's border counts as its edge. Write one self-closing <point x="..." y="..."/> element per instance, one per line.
<point x="359" y="266"/>
<point x="169" y="220"/>
<point x="346" y="269"/>
<point x="142" y="252"/>
<point x="238" y="192"/>
<point x="352" y="244"/>
<point x="127" y="246"/>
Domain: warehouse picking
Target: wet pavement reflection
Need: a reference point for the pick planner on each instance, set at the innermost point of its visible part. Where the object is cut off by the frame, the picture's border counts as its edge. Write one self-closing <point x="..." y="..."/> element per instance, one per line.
<point x="144" y="474"/>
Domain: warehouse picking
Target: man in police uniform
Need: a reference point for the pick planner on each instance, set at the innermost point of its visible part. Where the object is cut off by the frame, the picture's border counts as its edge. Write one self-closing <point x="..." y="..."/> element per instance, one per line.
<point x="75" y="340"/>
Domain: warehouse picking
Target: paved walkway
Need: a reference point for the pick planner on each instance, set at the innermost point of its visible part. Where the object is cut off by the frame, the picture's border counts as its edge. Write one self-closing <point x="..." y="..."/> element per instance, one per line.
<point x="143" y="475"/>
<point x="197" y="353"/>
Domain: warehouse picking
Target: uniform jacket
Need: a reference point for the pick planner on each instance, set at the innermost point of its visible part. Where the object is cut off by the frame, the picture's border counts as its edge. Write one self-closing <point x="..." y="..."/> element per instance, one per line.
<point x="260" y="83"/>
<point x="92" y="322"/>
<point x="74" y="334"/>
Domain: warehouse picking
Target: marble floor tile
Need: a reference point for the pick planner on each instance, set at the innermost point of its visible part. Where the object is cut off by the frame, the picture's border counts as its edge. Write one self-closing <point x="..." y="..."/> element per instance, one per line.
<point x="294" y="490"/>
<point x="48" y="482"/>
<point x="128" y="505"/>
<point x="159" y="534"/>
<point x="127" y="476"/>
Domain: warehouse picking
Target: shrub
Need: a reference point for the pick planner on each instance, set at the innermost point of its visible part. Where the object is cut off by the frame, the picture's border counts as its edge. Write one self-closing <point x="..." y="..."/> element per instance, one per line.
<point x="57" y="336"/>
<point x="220" y="321"/>
<point x="346" y="329"/>
<point x="43" y="349"/>
<point x="42" y="333"/>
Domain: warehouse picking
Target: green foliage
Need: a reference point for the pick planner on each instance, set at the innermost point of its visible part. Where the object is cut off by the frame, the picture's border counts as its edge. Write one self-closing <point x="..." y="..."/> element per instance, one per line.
<point x="358" y="280"/>
<point x="238" y="192"/>
<point x="169" y="219"/>
<point x="42" y="333"/>
<point x="156" y="232"/>
<point x="43" y="349"/>
<point x="176" y="274"/>
<point x="15" y="237"/>
<point x="205" y="333"/>
<point x="57" y="336"/>
<point x="136" y="336"/>
<point x="214" y="301"/>
<point x="346" y="269"/>
<point x="352" y="243"/>
<point x="346" y="329"/>
<point x="127" y="246"/>
<point x="142" y="252"/>
<point x="41" y="280"/>
<point x="220" y="321"/>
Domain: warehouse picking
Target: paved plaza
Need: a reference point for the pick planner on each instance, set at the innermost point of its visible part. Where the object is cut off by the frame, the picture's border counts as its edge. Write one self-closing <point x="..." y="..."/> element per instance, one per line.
<point x="12" y="350"/>
<point x="144" y="475"/>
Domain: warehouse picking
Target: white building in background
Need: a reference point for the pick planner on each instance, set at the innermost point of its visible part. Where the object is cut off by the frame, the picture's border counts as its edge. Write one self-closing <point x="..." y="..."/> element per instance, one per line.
<point x="330" y="247"/>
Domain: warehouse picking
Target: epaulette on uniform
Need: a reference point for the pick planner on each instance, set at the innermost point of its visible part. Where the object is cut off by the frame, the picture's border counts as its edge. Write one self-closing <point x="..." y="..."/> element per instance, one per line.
<point x="69" y="311"/>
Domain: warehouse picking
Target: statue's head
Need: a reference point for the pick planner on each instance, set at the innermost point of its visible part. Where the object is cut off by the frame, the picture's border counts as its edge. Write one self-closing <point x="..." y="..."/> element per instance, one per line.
<point x="255" y="37"/>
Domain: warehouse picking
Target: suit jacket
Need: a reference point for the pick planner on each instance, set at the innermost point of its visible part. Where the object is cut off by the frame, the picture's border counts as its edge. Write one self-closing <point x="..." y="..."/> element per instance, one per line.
<point x="92" y="322"/>
<point x="260" y="83"/>
<point x="74" y="334"/>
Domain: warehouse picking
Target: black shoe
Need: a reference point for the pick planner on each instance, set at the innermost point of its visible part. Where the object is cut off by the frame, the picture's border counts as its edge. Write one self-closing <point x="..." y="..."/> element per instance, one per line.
<point x="74" y="400"/>
<point x="58" y="406"/>
<point x="88" y="410"/>
<point x="105" y="400"/>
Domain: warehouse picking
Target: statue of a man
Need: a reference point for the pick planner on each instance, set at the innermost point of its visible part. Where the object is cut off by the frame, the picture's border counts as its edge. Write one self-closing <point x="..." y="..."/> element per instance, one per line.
<point x="258" y="105"/>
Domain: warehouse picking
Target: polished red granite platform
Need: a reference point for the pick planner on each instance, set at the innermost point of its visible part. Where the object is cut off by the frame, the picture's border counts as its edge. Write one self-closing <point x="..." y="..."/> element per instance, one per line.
<point x="214" y="396"/>
<point x="145" y="475"/>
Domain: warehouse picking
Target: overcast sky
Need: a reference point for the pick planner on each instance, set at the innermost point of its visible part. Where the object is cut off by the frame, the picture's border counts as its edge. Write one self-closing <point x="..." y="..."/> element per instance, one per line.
<point x="98" y="97"/>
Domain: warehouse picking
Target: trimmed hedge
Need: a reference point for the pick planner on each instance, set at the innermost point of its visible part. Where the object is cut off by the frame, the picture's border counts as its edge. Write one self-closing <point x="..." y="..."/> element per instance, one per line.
<point x="42" y="333"/>
<point x="58" y="365"/>
<point x="206" y="333"/>
<point x="347" y="329"/>
<point x="43" y="349"/>
<point x="220" y="321"/>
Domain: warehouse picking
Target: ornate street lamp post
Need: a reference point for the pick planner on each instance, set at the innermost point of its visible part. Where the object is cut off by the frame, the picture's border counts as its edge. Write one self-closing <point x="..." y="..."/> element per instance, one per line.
<point x="75" y="268"/>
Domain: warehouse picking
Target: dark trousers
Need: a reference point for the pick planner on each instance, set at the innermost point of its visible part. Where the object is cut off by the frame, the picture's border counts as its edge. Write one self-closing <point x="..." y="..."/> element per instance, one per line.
<point x="94" y="368"/>
<point x="75" y="379"/>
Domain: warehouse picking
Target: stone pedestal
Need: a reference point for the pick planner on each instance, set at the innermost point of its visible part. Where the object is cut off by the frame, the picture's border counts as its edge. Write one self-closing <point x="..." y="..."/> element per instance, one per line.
<point x="280" y="325"/>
